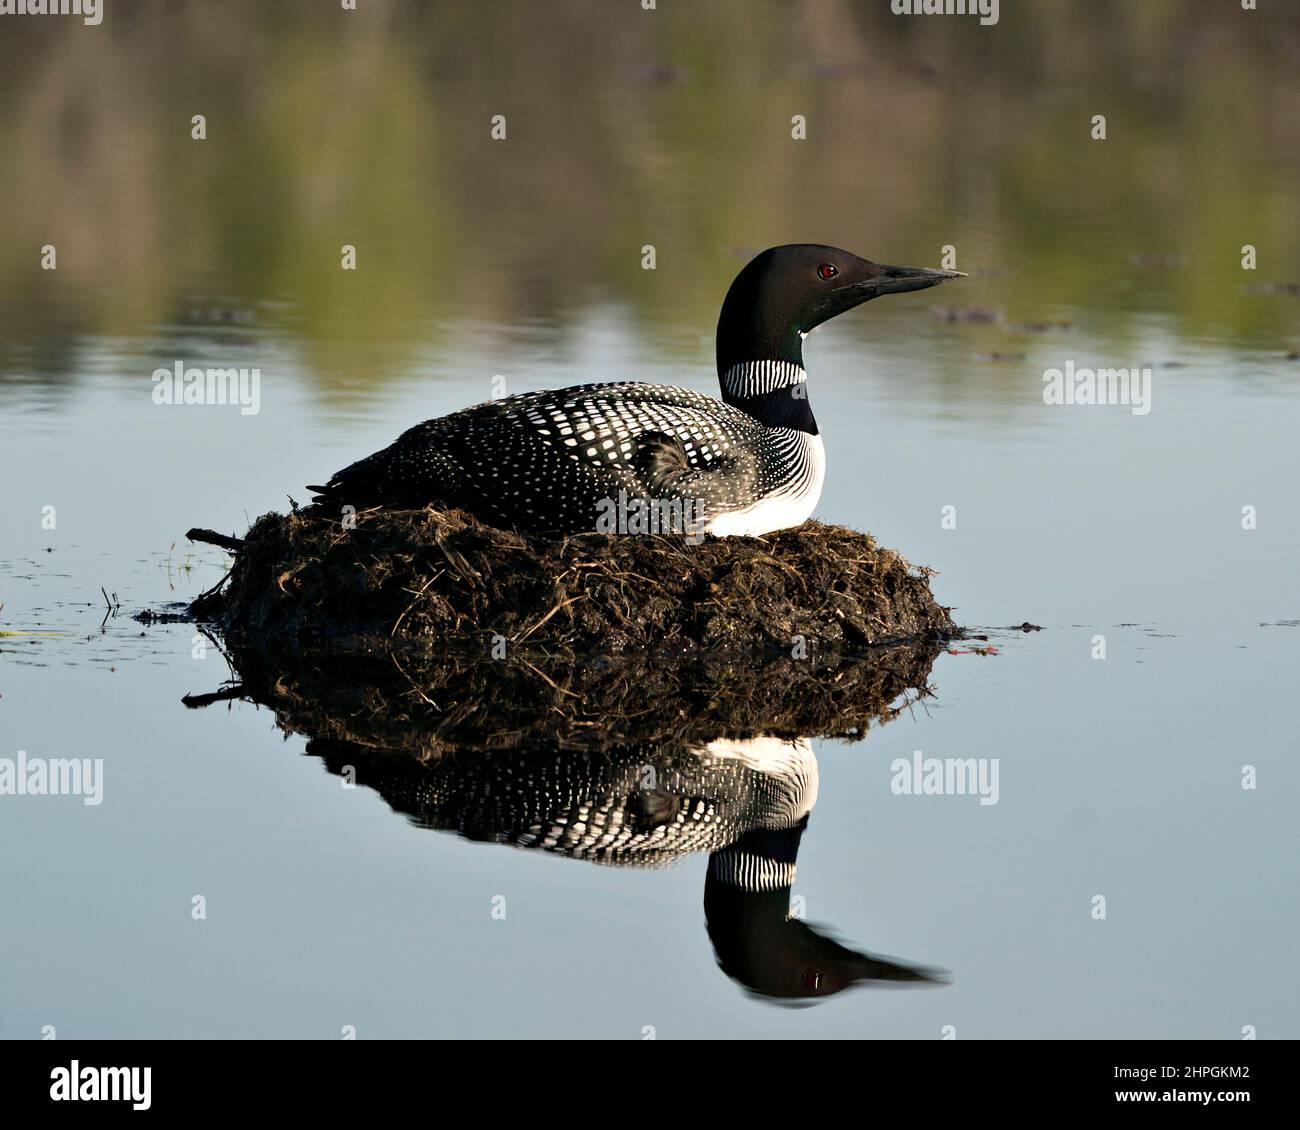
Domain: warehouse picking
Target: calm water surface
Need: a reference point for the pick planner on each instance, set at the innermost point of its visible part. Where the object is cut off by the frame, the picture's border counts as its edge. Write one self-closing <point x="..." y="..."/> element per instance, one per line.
<point x="1119" y="777"/>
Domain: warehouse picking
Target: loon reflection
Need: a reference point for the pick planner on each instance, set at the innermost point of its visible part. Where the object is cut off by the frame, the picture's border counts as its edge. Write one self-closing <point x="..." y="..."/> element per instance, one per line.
<point x="746" y="803"/>
<point x="620" y="762"/>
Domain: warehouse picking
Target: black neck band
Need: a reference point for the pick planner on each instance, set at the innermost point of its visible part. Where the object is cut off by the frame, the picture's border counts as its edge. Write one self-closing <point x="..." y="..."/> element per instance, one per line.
<point x="780" y="408"/>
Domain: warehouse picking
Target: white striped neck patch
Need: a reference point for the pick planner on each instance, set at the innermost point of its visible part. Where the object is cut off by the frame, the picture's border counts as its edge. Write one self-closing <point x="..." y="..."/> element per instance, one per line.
<point x="748" y="379"/>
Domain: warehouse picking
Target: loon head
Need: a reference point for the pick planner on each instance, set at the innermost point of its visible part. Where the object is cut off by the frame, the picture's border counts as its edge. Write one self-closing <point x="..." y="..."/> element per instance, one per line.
<point x="784" y="292"/>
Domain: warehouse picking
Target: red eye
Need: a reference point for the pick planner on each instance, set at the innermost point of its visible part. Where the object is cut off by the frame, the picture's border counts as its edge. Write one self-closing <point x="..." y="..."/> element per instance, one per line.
<point x="828" y="270"/>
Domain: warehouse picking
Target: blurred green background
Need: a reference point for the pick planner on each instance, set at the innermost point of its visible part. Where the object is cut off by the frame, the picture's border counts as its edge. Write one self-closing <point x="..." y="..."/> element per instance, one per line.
<point x="629" y="127"/>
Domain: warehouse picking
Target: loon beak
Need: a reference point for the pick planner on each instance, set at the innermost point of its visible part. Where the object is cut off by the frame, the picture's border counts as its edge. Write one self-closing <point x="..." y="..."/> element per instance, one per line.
<point x="896" y="280"/>
<point x="887" y="280"/>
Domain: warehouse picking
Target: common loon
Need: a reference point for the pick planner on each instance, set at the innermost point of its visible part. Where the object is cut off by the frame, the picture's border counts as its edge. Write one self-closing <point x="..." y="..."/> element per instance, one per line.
<point x="552" y="461"/>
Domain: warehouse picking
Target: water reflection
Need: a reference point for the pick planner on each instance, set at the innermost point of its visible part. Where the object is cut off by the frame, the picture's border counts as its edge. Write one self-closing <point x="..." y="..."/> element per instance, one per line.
<point x="647" y="797"/>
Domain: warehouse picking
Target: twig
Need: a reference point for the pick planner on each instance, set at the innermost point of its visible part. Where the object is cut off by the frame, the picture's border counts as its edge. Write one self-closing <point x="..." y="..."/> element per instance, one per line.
<point x="551" y="613"/>
<point x="225" y="694"/>
<point x="208" y="592"/>
<point x="414" y="685"/>
<point x="413" y="603"/>
<point x="214" y="538"/>
<point x="549" y="680"/>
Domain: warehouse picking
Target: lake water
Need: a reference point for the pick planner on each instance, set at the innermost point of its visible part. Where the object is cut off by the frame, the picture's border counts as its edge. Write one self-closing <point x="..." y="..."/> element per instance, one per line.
<point x="1165" y="541"/>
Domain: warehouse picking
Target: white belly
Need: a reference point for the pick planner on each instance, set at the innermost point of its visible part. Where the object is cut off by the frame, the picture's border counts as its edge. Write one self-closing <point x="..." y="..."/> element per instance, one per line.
<point x="779" y="511"/>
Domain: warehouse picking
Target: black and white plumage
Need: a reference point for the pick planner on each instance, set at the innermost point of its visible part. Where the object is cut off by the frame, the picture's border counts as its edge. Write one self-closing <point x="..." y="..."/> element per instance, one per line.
<point x="547" y="460"/>
<point x="563" y="461"/>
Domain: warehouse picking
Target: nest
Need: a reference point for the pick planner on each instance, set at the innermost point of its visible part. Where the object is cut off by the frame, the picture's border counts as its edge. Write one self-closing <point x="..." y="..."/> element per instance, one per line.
<point x="425" y="579"/>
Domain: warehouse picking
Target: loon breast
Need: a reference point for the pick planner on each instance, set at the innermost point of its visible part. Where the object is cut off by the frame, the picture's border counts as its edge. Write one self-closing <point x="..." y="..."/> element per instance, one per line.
<point x="792" y="503"/>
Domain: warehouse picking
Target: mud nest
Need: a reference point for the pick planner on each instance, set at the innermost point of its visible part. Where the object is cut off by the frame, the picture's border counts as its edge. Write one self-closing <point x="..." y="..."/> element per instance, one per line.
<point x="430" y="577"/>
